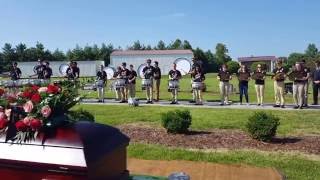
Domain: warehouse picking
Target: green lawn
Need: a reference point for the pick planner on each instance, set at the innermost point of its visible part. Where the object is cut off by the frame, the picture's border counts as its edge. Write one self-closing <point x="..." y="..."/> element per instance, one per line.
<point x="212" y="93"/>
<point x="292" y="122"/>
<point x="294" y="166"/>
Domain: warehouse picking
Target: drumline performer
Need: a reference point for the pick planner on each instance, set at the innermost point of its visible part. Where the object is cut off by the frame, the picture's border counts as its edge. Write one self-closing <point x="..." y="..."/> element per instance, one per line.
<point x="47" y="71"/>
<point x="73" y="71"/>
<point x="198" y="78"/>
<point x="259" y="76"/>
<point x="101" y="81"/>
<point x="299" y="78"/>
<point x="316" y="82"/>
<point x="243" y="77"/>
<point x="306" y="86"/>
<point x="195" y="64"/>
<point x="224" y="76"/>
<point x="15" y="74"/>
<point x="174" y="75"/>
<point x="279" y="76"/>
<point x="148" y="73"/>
<point x="132" y="82"/>
<point x="124" y="75"/>
<point x="39" y="69"/>
<point x="157" y="79"/>
<point x="117" y="76"/>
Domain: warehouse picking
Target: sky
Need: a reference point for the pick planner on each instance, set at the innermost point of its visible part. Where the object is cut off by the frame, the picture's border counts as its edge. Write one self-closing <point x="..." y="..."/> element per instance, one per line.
<point x="247" y="27"/>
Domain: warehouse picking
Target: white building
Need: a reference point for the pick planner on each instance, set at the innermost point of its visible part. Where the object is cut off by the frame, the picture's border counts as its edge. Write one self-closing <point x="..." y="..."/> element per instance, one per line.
<point x="138" y="57"/>
<point x="87" y="68"/>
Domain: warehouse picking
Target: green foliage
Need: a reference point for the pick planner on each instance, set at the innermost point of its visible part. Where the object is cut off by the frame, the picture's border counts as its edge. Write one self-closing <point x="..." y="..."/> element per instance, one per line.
<point x="80" y="115"/>
<point x="254" y="65"/>
<point x="222" y="54"/>
<point x="177" y="121"/>
<point x="262" y="126"/>
<point x="233" y="66"/>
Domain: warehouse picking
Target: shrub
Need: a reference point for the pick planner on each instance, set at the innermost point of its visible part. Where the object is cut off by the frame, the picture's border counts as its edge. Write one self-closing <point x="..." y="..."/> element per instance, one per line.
<point x="254" y="65"/>
<point x="233" y="66"/>
<point x="81" y="115"/>
<point x="262" y="126"/>
<point x="177" y="121"/>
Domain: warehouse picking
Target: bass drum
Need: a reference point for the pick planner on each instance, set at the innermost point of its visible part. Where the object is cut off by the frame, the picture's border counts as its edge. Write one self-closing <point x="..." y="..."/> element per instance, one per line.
<point x="110" y="72"/>
<point x="183" y="65"/>
<point x="140" y="68"/>
<point x="63" y="69"/>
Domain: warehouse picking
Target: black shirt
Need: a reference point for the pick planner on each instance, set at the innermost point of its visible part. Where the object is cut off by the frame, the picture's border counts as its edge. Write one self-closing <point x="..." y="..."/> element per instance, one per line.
<point x="39" y="70"/>
<point x="102" y="75"/>
<point x="133" y="74"/>
<point x="224" y="74"/>
<point x="175" y="74"/>
<point x="15" y="73"/>
<point x="157" y="73"/>
<point x="260" y="81"/>
<point x="124" y="74"/>
<point x="316" y="75"/>
<point x="280" y="70"/>
<point x="148" y="72"/>
<point x="243" y="76"/>
<point x="73" y="72"/>
<point x="199" y="77"/>
<point x="300" y="74"/>
<point x="47" y="73"/>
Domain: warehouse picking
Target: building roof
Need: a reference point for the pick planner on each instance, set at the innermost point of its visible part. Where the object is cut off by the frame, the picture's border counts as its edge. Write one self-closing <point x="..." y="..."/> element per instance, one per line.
<point x="150" y="52"/>
<point x="257" y="58"/>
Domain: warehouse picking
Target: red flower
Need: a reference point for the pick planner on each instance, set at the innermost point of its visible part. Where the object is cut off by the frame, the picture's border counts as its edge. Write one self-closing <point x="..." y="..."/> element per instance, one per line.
<point x="11" y="99"/>
<point x="35" y="124"/>
<point x="2" y="91"/>
<point x="27" y="93"/>
<point x="36" y="98"/>
<point x="3" y="123"/>
<point x="34" y="87"/>
<point x="52" y="89"/>
<point x="21" y="126"/>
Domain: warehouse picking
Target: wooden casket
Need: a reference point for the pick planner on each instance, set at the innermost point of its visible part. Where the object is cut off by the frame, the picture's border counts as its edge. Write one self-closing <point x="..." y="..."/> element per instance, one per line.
<point x="83" y="150"/>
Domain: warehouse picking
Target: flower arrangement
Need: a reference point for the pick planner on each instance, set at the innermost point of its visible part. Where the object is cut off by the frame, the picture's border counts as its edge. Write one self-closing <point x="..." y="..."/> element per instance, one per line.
<point x="34" y="109"/>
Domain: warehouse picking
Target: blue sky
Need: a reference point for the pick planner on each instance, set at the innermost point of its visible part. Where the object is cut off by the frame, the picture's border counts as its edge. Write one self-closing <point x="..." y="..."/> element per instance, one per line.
<point x="247" y="27"/>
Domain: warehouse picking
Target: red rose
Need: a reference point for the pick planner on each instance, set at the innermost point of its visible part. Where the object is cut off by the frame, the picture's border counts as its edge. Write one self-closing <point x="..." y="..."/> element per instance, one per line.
<point x="36" y="98"/>
<point x="11" y="99"/>
<point x="27" y="93"/>
<point x="35" y="124"/>
<point x="21" y="126"/>
<point x="52" y="89"/>
<point x="1" y="92"/>
<point x="46" y="111"/>
<point x="34" y="88"/>
<point x="3" y="123"/>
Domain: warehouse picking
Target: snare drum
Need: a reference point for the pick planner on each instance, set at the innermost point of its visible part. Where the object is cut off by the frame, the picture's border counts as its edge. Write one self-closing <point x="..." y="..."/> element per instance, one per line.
<point x="197" y="85"/>
<point x="120" y="83"/>
<point x="173" y="84"/>
<point x="146" y="83"/>
<point x="8" y="83"/>
<point x="99" y="83"/>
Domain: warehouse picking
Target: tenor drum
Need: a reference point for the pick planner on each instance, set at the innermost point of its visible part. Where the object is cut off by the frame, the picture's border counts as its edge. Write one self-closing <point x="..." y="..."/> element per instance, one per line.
<point x="197" y="85"/>
<point x="34" y="81"/>
<point x="120" y="83"/>
<point x="173" y="84"/>
<point x="8" y="83"/>
<point x="146" y="83"/>
<point x="99" y="83"/>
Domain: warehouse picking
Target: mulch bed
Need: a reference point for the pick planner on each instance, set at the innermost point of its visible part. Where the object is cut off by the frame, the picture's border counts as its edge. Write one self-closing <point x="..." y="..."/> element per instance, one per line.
<point x="228" y="139"/>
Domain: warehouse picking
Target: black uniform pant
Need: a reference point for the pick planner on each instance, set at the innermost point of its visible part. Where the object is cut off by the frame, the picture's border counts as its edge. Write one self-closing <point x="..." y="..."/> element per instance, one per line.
<point x="316" y="89"/>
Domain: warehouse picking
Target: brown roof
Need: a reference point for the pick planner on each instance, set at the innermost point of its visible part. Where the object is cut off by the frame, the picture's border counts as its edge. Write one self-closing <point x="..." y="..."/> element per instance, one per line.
<point x="257" y="58"/>
<point x="150" y="52"/>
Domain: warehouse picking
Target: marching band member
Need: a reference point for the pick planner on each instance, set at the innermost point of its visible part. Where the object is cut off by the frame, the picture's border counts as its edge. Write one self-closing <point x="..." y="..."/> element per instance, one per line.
<point x="279" y="75"/>
<point x="243" y="77"/>
<point x="73" y="72"/>
<point x="148" y="73"/>
<point x="306" y="87"/>
<point x="224" y="76"/>
<point x="198" y="77"/>
<point x="124" y="75"/>
<point x="300" y="77"/>
<point x="47" y="71"/>
<point x="15" y="72"/>
<point x="132" y="82"/>
<point x="101" y="76"/>
<point x="117" y="76"/>
<point x="157" y="79"/>
<point x="316" y="83"/>
<point x="259" y="83"/>
<point x="195" y="63"/>
<point x="175" y="75"/>
<point x="39" y="69"/>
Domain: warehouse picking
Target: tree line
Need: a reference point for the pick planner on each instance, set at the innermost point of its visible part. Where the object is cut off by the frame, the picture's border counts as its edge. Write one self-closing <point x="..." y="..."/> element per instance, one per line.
<point x="211" y="61"/>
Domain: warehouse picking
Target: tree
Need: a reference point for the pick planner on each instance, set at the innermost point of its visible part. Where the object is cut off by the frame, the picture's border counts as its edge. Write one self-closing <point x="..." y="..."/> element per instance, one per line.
<point x="136" y="46"/>
<point x="311" y="51"/>
<point x="295" y="57"/>
<point x="161" y="45"/>
<point x="58" y="55"/>
<point x="212" y="64"/>
<point x="200" y="55"/>
<point x="20" y="52"/>
<point x="177" y="44"/>
<point x="233" y="66"/>
<point x="40" y="51"/>
<point x="105" y="52"/>
<point x="186" y="45"/>
<point x="222" y="54"/>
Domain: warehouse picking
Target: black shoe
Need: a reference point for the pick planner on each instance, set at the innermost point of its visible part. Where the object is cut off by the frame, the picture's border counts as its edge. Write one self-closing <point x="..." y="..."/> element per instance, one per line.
<point x="221" y="104"/>
<point x="314" y="104"/>
<point x="258" y="104"/>
<point x="148" y="102"/>
<point x="305" y="105"/>
<point x="296" y="107"/>
<point x="300" y="107"/>
<point x="192" y="101"/>
<point x="99" y="101"/>
<point x="172" y="102"/>
<point x="282" y="106"/>
<point x="276" y="106"/>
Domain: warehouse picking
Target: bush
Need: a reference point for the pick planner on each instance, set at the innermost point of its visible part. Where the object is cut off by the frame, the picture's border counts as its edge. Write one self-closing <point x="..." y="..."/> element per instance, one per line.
<point x="233" y="66"/>
<point x="254" y="65"/>
<point x="177" y="121"/>
<point x="80" y="115"/>
<point x="262" y="126"/>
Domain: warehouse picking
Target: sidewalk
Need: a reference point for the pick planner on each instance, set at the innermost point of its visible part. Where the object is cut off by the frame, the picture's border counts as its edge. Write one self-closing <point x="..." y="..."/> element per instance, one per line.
<point x="205" y="105"/>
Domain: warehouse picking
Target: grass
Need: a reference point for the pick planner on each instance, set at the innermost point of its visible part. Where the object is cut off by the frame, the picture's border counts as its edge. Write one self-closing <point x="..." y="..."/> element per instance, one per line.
<point x="212" y="93"/>
<point x="293" y="166"/>
<point x="291" y="122"/>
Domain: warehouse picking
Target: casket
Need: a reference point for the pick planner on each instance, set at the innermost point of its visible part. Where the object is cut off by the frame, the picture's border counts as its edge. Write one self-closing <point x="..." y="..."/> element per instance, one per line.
<point x="83" y="150"/>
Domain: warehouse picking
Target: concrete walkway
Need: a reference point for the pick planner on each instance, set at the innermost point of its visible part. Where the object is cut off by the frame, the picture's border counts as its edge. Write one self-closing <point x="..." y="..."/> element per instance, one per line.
<point x="205" y="105"/>
<point x="202" y="170"/>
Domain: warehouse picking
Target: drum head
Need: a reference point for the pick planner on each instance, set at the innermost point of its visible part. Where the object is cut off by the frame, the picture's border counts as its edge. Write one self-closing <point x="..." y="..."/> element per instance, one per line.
<point x="110" y="72"/>
<point x="63" y="68"/>
<point x="140" y="68"/>
<point x="183" y="65"/>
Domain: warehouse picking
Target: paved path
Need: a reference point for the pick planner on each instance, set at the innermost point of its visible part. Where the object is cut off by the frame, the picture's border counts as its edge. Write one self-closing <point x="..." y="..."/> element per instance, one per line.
<point x="202" y="170"/>
<point x="187" y="104"/>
